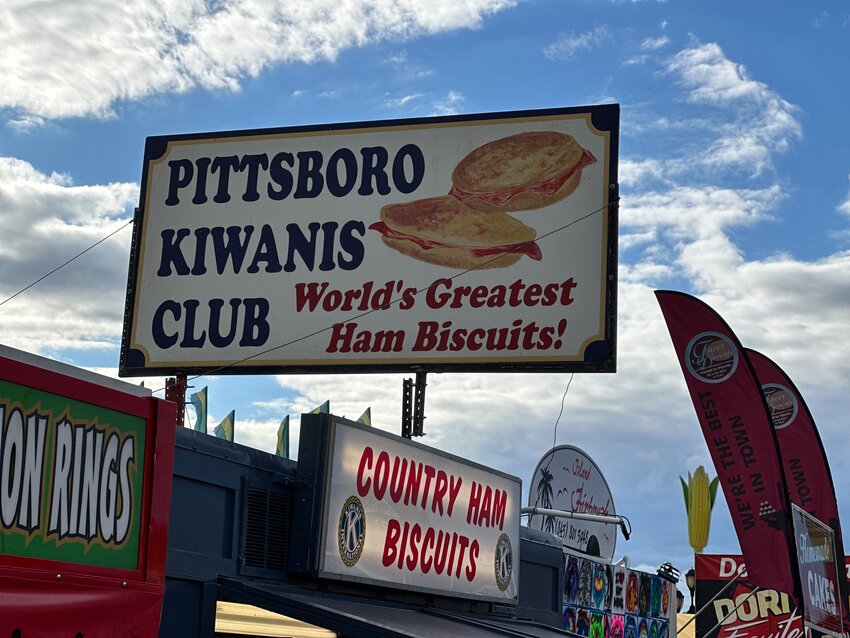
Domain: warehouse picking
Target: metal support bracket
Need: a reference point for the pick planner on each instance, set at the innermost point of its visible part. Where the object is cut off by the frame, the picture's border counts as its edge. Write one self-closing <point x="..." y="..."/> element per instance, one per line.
<point x="413" y="406"/>
<point x="175" y="390"/>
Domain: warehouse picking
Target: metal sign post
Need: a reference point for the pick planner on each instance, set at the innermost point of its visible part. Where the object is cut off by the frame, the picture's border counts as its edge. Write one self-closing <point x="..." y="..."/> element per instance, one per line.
<point x="175" y="390"/>
<point x="413" y="406"/>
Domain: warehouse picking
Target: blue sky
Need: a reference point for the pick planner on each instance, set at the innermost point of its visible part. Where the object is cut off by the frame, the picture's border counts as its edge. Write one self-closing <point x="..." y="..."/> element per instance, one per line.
<point x="734" y="174"/>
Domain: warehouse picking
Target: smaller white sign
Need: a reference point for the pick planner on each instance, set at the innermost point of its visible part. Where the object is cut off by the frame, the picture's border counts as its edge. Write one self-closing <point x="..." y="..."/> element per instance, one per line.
<point x="567" y="479"/>
<point x="819" y="573"/>
<point x="402" y="514"/>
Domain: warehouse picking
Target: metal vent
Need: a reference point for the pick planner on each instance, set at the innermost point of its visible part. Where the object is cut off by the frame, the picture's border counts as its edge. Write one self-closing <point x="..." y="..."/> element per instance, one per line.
<point x="267" y="530"/>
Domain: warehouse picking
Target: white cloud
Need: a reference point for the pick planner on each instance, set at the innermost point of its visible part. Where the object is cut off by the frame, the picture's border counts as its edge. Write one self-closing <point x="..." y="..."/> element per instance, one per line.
<point x="844" y="206"/>
<point x="26" y="123"/>
<point x="407" y="69"/>
<point x="72" y="60"/>
<point x="261" y="434"/>
<point x="449" y="105"/>
<point x="713" y="78"/>
<point x="693" y="212"/>
<point x="654" y="44"/>
<point x="567" y="46"/>
<point x="765" y="122"/>
<point x="807" y="303"/>
<point x="743" y="123"/>
<point x="783" y="306"/>
<point x="401" y="101"/>
<point x="630" y="240"/>
<point x="331" y="94"/>
<point x="52" y="220"/>
<point x="637" y="173"/>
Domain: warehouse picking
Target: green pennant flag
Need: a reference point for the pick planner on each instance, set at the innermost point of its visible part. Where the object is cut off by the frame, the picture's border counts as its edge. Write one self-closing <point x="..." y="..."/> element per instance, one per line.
<point x="199" y="402"/>
<point x="224" y="430"/>
<point x="282" y="448"/>
<point x="325" y="408"/>
<point x="366" y="417"/>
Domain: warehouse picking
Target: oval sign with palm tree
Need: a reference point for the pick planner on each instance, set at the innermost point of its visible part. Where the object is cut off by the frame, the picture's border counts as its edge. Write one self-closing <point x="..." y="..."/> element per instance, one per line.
<point x="567" y="479"/>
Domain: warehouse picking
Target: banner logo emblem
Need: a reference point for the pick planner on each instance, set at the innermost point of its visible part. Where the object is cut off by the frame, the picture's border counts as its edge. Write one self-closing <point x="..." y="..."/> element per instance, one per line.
<point x="504" y="562"/>
<point x="351" y="533"/>
<point x="711" y="357"/>
<point x="781" y="403"/>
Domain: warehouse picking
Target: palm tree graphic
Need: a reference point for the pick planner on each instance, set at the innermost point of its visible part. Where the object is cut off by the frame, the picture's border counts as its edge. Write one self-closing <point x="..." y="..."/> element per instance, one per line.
<point x="544" y="497"/>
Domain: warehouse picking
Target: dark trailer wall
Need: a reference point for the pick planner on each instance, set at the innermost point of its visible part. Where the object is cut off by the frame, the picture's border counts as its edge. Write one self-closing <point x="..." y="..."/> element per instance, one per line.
<point x="229" y="540"/>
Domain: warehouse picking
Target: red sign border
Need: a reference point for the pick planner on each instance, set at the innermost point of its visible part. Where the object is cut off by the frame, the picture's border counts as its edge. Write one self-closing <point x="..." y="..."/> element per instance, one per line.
<point x="157" y="477"/>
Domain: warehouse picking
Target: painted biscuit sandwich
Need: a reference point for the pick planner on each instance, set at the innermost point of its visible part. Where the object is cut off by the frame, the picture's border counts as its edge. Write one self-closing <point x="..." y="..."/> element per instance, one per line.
<point x="442" y="231"/>
<point x="520" y="172"/>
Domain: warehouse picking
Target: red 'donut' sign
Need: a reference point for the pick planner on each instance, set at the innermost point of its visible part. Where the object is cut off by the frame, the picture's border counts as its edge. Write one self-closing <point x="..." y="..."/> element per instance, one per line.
<point x="740" y="612"/>
<point x="85" y="494"/>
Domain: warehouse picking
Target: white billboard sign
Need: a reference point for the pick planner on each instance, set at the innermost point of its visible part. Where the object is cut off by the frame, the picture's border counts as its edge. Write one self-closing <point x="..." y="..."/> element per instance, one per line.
<point x="401" y="514"/>
<point x="567" y="479"/>
<point x="463" y="243"/>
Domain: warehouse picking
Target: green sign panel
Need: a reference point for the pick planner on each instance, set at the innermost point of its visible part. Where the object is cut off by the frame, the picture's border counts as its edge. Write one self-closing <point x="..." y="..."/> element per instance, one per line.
<point x="71" y="477"/>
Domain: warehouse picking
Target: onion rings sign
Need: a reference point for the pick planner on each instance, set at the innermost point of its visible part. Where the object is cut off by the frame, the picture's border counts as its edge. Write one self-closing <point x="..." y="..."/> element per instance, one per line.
<point x="465" y="243"/>
<point x="85" y="497"/>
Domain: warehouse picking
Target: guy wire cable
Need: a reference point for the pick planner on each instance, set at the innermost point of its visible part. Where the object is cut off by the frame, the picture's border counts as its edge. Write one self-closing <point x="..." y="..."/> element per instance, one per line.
<point x="60" y="266"/>
<point x="555" y="434"/>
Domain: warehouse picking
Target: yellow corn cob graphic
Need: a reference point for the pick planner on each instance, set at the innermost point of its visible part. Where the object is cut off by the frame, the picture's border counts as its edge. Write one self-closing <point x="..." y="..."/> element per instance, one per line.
<point x="699" y="500"/>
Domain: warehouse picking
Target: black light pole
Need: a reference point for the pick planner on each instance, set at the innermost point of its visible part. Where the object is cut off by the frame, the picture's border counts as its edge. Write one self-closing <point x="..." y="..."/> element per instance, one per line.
<point x="690" y="580"/>
<point x="680" y="600"/>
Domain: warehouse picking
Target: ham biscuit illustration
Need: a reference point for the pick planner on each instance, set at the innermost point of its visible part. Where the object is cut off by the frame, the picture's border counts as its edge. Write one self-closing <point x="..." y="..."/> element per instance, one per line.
<point x="520" y="172"/>
<point x="442" y="231"/>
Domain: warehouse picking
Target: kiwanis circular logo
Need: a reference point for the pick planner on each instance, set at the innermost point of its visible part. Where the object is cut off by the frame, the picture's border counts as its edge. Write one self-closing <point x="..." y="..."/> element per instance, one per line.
<point x="351" y="533"/>
<point x="781" y="403"/>
<point x="504" y="562"/>
<point x="711" y="357"/>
